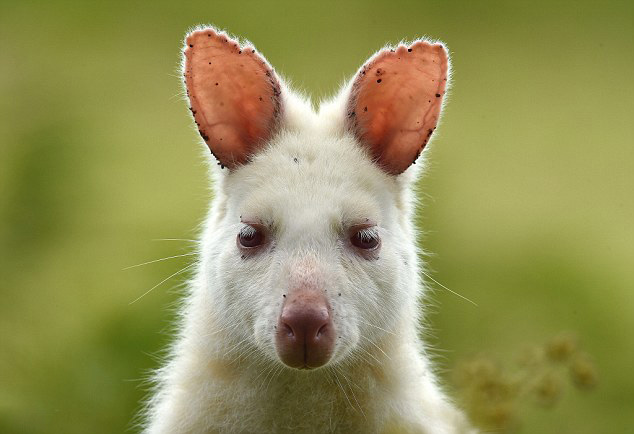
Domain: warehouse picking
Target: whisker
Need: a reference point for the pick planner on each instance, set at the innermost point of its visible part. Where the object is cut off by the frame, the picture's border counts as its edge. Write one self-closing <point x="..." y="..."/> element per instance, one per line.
<point x="265" y="384"/>
<point x="369" y="354"/>
<point x="444" y="287"/>
<point x="358" y="356"/>
<point x="376" y="326"/>
<point x="175" y="239"/>
<point x="342" y="389"/>
<point x="251" y="356"/>
<point x="236" y="346"/>
<point x="159" y="260"/>
<point x="377" y="347"/>
<point x="265" y="370"/>
<point x="182" y="270"/>
<point x="352" y="392"/>
<point x="222" y="329"/>
<point x="277" y="371"/>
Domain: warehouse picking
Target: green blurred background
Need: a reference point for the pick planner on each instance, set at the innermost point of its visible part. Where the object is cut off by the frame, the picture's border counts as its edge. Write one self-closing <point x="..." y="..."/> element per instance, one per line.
<point x="529" y="206"/>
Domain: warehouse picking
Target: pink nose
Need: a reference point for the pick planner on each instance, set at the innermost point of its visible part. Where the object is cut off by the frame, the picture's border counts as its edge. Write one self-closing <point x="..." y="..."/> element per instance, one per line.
<point x="305" y="335"/>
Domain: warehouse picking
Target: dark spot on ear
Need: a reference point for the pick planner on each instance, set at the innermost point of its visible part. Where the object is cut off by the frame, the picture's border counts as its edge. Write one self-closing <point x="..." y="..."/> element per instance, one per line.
<point x="216" y="84"/>
<point x="339" y="294"/>
<point x="203" y="135"/>
<point x="253" y="51"/>
<point x="365" y="109"/>
<point x="191" y="46"/>
<point x="379" y="80"/>
<point x="295" y="160"/>
<point x="242" y="257"/>
<point x="240" y="52"/>
<point x="437" y="95"/>
<point x="409" y="50"/>
<point x="391" y="51"/>
<point x="260" y="98"/>
<point x="284" y="295"/>
<point x="210" y="63"/>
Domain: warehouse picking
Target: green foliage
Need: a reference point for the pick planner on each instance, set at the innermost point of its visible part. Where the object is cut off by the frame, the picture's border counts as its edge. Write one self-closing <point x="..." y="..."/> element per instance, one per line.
<point x="494" y="395"/>
<point x="527" y="205"/>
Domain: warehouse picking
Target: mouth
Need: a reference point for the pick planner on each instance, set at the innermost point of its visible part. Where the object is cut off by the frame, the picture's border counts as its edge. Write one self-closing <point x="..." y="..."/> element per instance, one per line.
<point x="303" y="357"/>
<point x="306" y="367"/>
<point x="303" y="368"/>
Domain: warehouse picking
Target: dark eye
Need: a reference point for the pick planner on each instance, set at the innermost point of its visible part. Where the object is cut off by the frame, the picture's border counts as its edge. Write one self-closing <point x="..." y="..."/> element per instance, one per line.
<point x="250" y="237"/>
<point x="366" y="239"/>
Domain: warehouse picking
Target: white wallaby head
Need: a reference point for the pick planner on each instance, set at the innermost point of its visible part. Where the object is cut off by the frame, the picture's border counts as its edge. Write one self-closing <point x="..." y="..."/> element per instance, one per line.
<point x="309" y="256"/>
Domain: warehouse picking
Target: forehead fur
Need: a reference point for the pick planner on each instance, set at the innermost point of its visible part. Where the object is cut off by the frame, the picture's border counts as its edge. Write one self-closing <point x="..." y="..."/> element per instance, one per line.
<point x="307" y="175"/>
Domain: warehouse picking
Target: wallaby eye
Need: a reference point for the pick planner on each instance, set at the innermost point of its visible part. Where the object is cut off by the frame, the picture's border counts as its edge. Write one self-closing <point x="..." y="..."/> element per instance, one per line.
<point x="366" y="238"/>
<point x="250" y="237"/>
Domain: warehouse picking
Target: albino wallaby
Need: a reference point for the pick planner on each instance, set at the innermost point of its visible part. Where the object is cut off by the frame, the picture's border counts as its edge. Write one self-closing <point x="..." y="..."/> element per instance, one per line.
<point x="303" y="315"/>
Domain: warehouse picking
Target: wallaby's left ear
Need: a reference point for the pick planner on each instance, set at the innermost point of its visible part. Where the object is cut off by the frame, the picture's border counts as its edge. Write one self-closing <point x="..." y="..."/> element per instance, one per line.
<point x="395" y="102"/>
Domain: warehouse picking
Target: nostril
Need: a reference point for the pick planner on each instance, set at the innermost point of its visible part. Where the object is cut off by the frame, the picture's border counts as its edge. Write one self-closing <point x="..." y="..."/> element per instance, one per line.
<point x="288" y="330"/>
<point x="321" y="330"/>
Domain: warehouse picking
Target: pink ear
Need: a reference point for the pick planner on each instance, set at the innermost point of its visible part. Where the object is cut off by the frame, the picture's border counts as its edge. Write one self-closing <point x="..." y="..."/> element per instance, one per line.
<point x="234" y="95"/>
<point x="396" y="100"/>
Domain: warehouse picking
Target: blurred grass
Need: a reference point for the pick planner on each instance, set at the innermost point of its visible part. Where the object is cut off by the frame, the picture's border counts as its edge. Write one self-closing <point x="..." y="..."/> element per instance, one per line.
<point x="528" y="204"/>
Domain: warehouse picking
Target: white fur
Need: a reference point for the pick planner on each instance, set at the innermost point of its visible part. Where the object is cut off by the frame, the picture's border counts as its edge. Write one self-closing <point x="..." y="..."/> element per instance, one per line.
<point x="223" y="374"/>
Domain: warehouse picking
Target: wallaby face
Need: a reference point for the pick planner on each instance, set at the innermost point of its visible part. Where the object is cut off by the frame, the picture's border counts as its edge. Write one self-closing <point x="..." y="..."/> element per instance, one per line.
<point x="313" y="258"/>
<point x="303" y="316"/>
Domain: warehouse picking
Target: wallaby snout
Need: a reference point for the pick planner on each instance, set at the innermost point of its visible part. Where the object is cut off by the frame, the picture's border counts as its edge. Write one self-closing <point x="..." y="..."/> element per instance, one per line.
<point x="305" y="336"/>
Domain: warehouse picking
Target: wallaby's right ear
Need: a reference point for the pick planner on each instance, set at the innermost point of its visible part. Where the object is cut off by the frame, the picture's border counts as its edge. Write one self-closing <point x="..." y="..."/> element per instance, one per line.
<point x="233" y="93"/>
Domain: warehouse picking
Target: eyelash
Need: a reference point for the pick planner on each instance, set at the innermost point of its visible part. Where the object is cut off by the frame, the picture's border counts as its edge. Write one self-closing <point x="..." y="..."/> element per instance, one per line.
<point x="369" y="234"/>
<point x="247" y="231"/>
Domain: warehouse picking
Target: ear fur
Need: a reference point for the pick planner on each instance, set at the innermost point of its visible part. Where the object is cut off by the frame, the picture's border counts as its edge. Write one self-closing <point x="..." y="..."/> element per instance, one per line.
<point x="234" y="95"/>
<point x="395" y="102"/>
